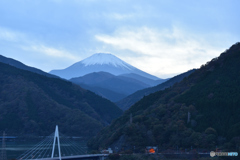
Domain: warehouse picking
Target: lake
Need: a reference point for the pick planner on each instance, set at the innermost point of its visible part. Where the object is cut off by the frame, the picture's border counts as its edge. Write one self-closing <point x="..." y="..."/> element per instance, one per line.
<point x="69" y="146"/>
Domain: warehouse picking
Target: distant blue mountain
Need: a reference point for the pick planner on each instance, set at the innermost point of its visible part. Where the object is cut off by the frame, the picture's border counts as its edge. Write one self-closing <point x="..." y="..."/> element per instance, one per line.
<point x="143" y="79"/>
<point x="107" y="85"/>
<point x="100" y="62"/>
<point x="103" y="92"/>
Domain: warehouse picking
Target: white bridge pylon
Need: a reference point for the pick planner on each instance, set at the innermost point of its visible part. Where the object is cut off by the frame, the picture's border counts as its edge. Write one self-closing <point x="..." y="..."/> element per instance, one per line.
<point x="50" y="148"/>
<point x="56" y="136"/>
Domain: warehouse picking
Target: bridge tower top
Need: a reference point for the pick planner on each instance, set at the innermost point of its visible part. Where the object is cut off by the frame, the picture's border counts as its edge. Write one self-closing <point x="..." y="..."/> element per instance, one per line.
<point x="56" y="136"/>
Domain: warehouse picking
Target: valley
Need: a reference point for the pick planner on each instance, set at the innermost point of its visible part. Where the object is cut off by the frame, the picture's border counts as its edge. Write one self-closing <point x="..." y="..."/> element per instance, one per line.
<point x="181" y="113"/>
<point x="119" y="80"/>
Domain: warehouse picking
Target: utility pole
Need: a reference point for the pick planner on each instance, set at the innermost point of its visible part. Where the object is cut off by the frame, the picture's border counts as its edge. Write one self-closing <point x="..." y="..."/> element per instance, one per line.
<point x="189" y="116"/>
<point x="131" y="118"/>
<point x="3" y="154"/>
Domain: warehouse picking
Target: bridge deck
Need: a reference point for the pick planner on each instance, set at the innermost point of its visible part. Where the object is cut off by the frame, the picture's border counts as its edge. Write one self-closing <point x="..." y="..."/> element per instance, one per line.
<point x="87" y="156"/>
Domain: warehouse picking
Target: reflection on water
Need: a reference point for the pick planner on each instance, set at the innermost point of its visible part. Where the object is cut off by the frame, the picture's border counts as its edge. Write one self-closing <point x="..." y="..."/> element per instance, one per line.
<point x="16" y="147"/>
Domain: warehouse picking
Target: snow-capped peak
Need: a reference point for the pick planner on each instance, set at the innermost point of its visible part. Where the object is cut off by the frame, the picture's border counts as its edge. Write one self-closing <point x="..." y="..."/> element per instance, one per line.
<point x="100" y="62"/>
<point x="105" y="58"/>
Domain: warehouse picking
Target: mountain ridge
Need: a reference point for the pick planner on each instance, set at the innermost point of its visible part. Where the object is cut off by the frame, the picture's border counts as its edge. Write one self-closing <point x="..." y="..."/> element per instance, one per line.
<point x="128" y="101"/>
<point x="33" y="104"/>
<point x="145" y="80"/>
<point x="20" y="65"/>
<point x="201" y="111"/>
<point x="118" y="84"/>
<point x="100" y="62"/>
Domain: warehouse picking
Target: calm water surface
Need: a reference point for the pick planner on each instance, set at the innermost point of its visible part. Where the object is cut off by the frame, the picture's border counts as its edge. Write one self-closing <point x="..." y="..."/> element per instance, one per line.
<point x="17" y="147"/>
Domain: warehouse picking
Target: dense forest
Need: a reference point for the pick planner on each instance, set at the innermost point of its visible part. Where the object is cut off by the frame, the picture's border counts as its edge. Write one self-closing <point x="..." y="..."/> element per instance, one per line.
<point x="32" y="104"/>
<point x="201" y="111"/>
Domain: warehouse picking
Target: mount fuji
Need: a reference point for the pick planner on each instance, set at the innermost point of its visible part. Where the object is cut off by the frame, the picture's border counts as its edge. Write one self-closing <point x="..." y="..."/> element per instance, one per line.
<point x="101" y="62"/>
<point x="108" y="76"/>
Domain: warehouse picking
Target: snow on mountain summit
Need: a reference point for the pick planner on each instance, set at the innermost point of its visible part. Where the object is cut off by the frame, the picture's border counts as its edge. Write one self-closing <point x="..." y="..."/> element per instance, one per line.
<point x="105" y="58"/>
<point x="100" y="62"/>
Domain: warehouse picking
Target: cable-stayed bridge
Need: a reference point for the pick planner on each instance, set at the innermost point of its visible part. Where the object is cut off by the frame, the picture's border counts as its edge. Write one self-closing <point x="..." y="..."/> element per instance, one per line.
<point x="57" y="147"/>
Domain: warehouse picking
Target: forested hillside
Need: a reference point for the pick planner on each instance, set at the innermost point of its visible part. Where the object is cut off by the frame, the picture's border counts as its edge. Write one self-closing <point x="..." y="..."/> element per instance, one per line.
<point x="202" y="111"/>
<point x="33" y="104"/>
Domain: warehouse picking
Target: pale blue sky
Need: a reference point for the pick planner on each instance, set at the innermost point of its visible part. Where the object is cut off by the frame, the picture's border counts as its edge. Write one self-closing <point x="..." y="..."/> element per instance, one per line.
<point x="162" y="37"/>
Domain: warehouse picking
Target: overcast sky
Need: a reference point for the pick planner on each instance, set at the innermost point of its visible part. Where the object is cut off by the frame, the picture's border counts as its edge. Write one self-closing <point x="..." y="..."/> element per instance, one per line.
<point x="161" y="37"/>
